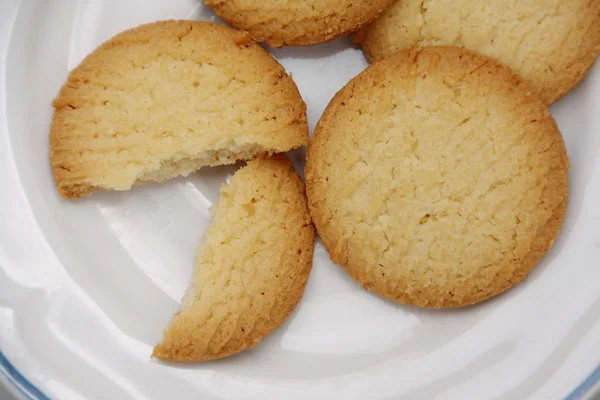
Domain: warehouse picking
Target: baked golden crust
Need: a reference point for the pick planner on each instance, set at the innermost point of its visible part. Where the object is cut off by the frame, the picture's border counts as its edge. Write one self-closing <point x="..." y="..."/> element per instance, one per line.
<point x="551" y="44"/>
<point x="251" y="268"/>
<point x="297" y="23"/>
<point x="163" y="99"/>
<point x="437" y="177"/>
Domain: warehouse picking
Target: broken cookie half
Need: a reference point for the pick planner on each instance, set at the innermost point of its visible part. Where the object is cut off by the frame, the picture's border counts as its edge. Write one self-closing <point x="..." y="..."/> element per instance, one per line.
<point x="251" y="268"/>
<point x="164" y="99"/>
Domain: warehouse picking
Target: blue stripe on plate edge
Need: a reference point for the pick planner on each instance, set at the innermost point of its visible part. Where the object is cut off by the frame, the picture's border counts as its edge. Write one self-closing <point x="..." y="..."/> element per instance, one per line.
<point x="19" y="382"/>
<point x="29" y="391"/>
<point x="585" y="386"/>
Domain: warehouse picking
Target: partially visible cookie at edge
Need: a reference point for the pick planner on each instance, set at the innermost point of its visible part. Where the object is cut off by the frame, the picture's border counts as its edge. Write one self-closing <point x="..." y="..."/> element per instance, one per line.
<point x="251" y="268"/>
<point x="164" y="99"/>
<point x="297" y="23"/>
<point x="550" y="44"/>
<point x="437" y="177"/>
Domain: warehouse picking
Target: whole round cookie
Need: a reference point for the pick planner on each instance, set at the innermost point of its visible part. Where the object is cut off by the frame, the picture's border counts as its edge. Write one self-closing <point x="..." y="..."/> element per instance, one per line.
<point x="164" y="99"/>
<point x="437" y="177"/>
<point x="297" y="23"/>
<point x="251" y="268"/>
<point x="550" y="43"/>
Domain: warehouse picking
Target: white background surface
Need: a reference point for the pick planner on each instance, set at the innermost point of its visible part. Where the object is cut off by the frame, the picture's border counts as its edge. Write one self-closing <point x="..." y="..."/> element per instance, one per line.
<point x="86" y="288"/>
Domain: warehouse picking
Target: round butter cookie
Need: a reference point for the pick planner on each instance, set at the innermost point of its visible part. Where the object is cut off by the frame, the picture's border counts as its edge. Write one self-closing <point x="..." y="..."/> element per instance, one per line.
<point x="251" y="268"/>
<point x="297" y="23"/>
<point x="437" y="177"/>
<point x="164" y="99"/>
<point x="550" y="43"/>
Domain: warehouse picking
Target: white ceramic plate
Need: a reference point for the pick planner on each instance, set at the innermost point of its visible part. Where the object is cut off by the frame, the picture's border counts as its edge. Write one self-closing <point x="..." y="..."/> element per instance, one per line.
<point x="87" y="287"/>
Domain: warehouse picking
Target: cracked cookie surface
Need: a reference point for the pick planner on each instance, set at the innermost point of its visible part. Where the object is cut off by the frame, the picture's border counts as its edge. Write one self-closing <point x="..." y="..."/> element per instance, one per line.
<point x="437" y="177"/>
<point x="251" y="268"/>
<point x="297" y="23"/>
<point x="164" y="99"/>
<point x="550" y="43"/>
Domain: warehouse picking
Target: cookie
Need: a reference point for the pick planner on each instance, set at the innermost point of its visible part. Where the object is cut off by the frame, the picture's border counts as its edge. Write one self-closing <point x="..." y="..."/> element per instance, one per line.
<point x="251" y="268"/>
<point x="297" y="23"/>
<point x="437" y="177"/>
<point x="551" y="44"/>
<point x="164" y="99"/>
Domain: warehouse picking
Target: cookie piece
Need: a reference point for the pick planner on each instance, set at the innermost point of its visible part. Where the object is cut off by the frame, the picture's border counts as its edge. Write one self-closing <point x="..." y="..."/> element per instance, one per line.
<point x="437" y="177"/>
<point x="164" y="99"/>
<point x="551" y="44"/>
<point x="251" y="268"/>
<point x="297" y="23"/>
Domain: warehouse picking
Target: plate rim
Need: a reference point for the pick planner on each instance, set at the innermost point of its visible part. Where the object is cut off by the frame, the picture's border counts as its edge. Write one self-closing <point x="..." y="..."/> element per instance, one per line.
<point x="21" y="387"/>
<point x="16" y="383"/>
